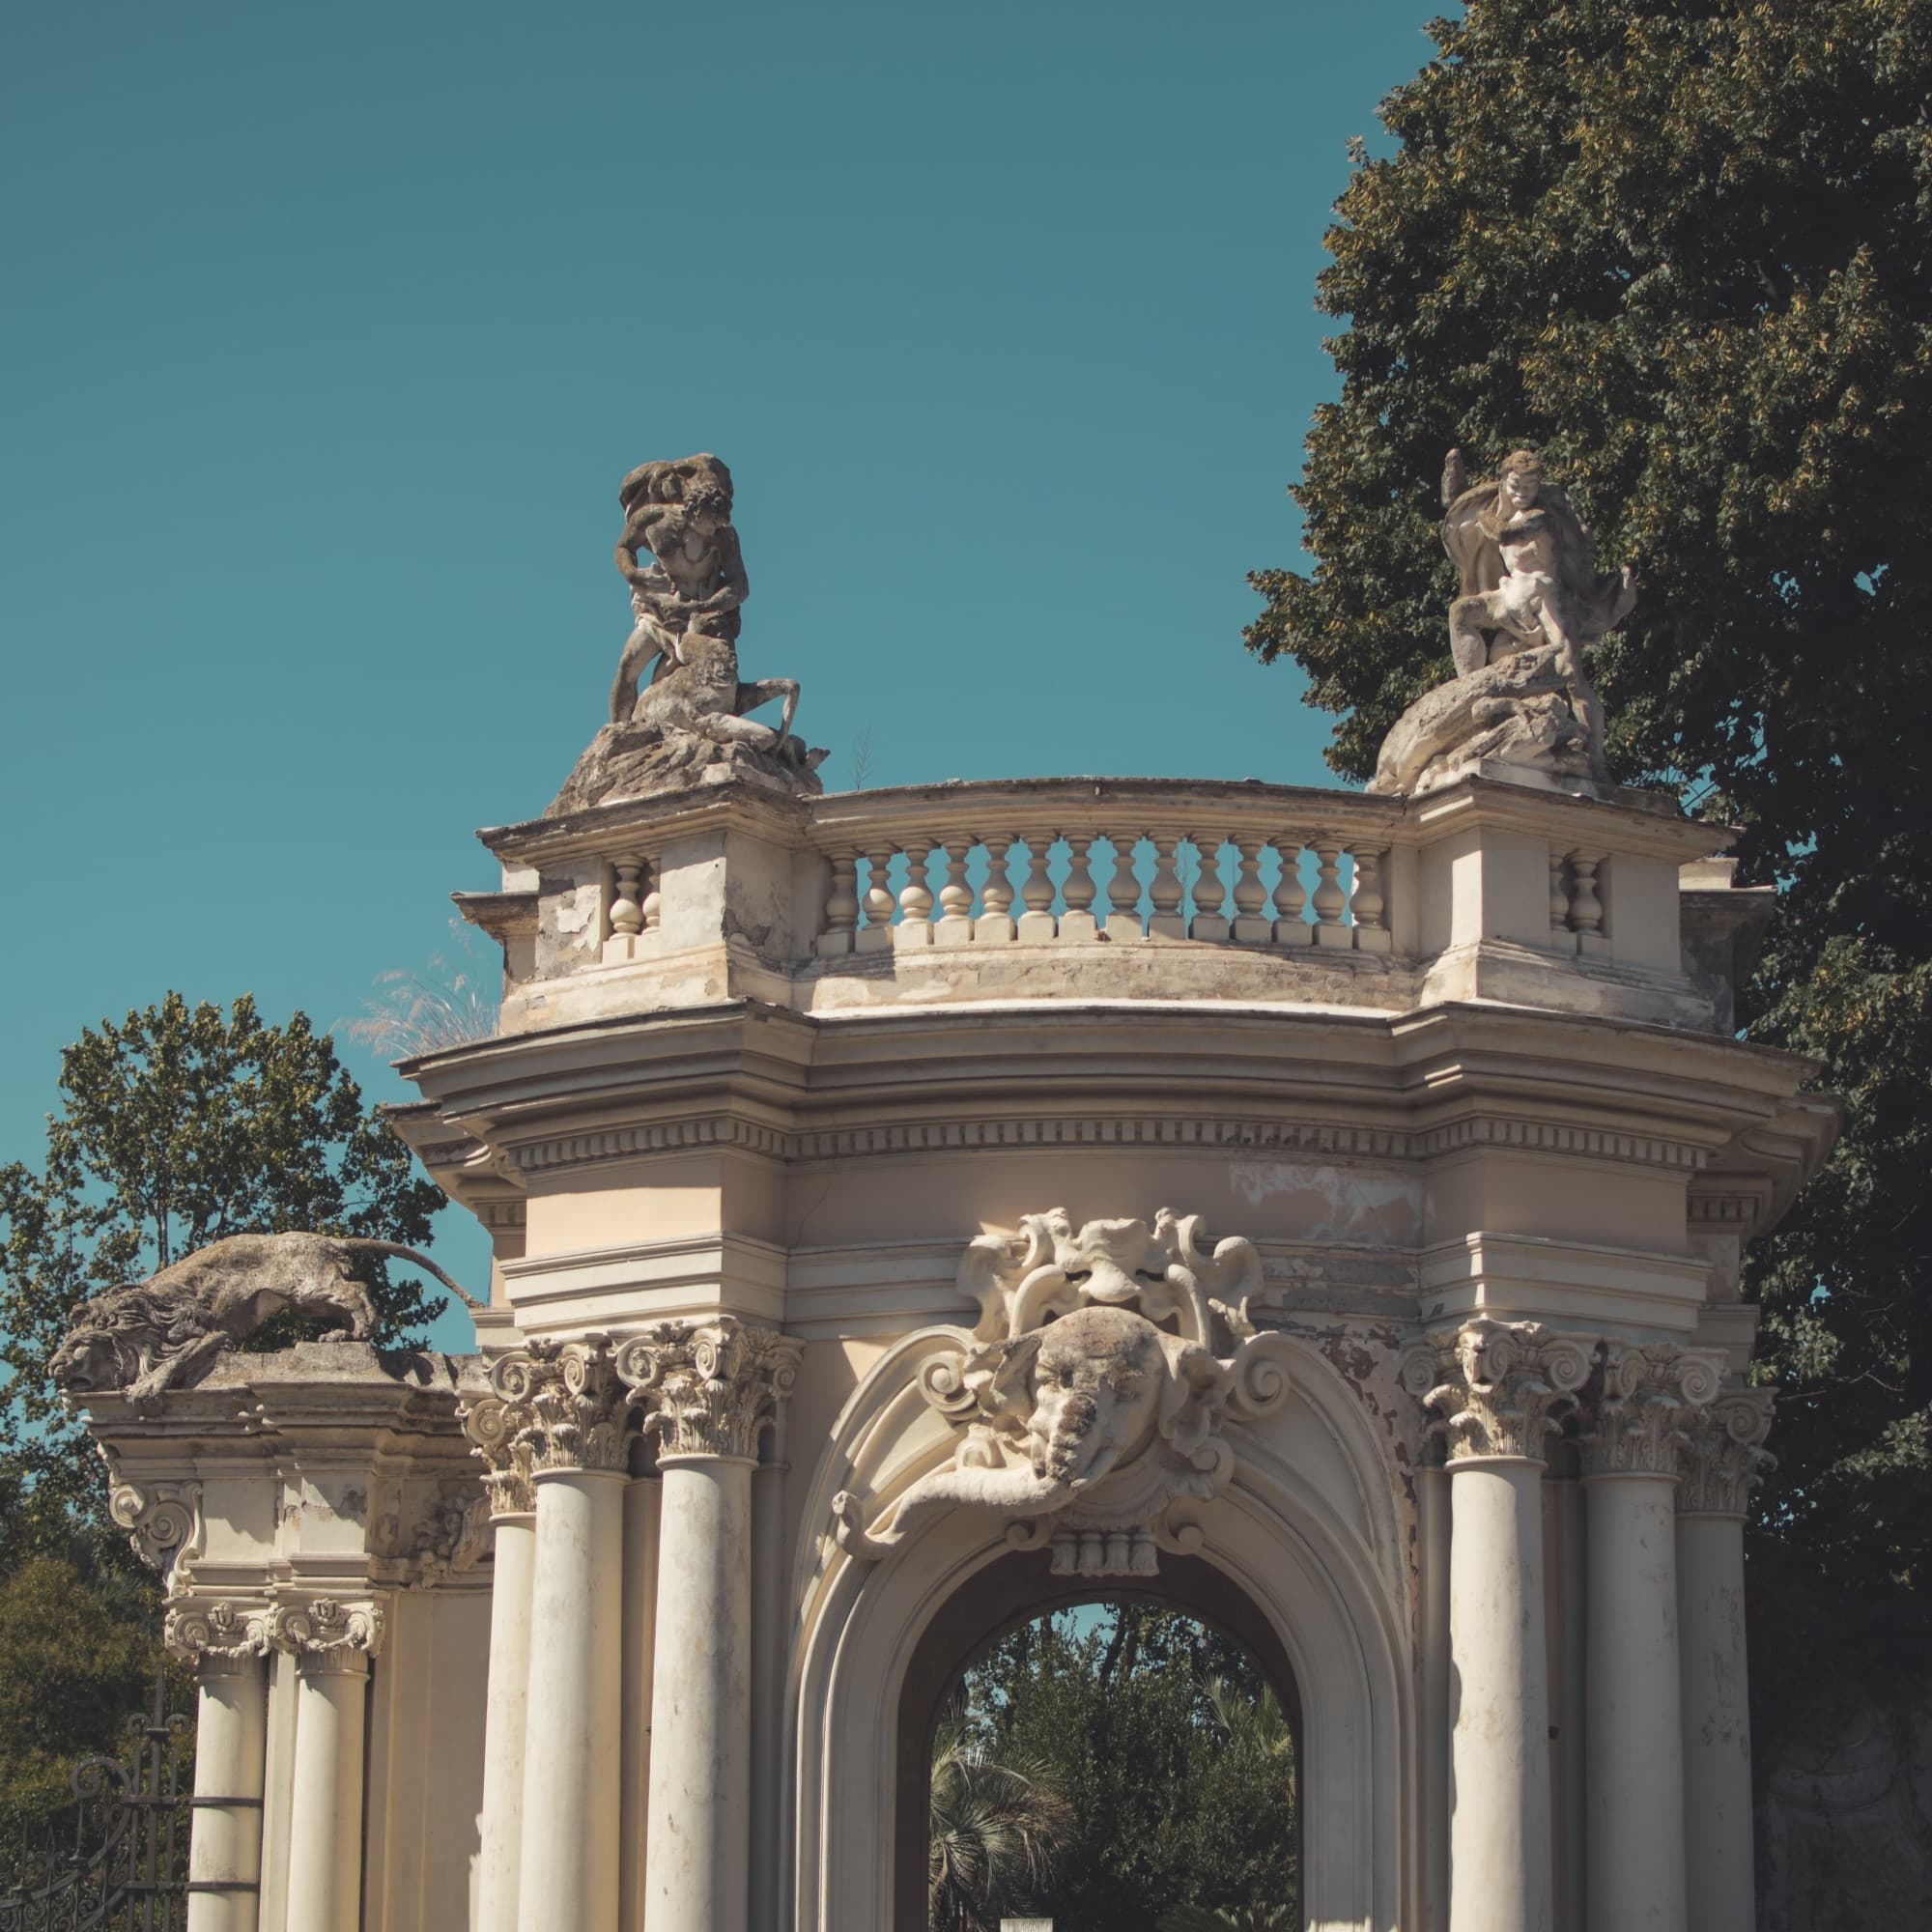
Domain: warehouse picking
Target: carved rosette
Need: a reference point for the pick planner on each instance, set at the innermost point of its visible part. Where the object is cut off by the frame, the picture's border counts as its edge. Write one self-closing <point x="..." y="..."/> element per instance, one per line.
<point x="214" y="1636"/>
<point x="1500" y="1388"/>
<point x="709" y="1388"/>
<point x="1725" y="1458"/>
<point x="563" y="1412"/>
<point x="1644" y="1399"/>
<point x="327" y="1635"/>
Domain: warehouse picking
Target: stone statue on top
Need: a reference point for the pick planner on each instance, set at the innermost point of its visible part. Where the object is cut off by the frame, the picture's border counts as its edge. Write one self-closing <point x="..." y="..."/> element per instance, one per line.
<point x="1529" y="600"/>
<point x="678" y="710"/>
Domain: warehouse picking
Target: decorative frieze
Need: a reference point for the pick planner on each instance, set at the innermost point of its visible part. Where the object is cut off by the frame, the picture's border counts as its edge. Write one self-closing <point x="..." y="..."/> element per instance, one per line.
<point x="709" y="1388"/>
<point x="1635" y="1423"/>
<point x="1725" y="1458"/>
<point x="1500" y="1388"/>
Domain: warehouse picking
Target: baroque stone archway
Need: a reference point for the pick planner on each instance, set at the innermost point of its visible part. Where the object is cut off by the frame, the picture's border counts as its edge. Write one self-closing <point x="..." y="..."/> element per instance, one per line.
<point x="1014" y="1589"/>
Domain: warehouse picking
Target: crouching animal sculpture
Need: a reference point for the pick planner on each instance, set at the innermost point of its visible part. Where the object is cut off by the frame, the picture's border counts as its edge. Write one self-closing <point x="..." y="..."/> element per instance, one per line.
<point x="149" y="1336"/>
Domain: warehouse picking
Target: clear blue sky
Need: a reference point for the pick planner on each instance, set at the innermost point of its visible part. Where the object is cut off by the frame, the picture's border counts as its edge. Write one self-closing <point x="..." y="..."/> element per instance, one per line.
<point x="328" y="332"/>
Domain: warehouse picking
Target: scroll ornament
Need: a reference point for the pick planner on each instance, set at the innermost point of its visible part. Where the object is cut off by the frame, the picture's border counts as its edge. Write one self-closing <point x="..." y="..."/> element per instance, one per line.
<point x="1092" y="1395"/>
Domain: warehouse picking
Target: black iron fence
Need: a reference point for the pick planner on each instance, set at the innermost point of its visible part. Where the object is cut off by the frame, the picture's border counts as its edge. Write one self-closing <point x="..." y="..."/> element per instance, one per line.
<point x="121" y="1864"/>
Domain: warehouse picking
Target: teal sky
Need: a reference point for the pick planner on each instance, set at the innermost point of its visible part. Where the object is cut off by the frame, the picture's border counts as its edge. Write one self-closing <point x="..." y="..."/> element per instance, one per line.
<point x="329" y="334"/>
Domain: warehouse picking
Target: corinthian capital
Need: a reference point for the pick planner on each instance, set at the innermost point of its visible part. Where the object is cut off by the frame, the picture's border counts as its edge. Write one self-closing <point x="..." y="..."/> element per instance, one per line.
<point x="1725" y="1458"/>
<point x="562" y="1409"/>
<point x="223" y="1632"/>
<point x="1499" y="1387"/>
<point x="709" y="1388"/>
<point x="1645" y="1395"/>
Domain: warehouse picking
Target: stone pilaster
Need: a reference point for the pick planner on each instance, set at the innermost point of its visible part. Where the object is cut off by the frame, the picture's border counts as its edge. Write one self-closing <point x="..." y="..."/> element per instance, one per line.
<point x="709" y="1390"/>
<point x="1722" y="1464"/>
<point x="1635" y="1425"/>
<point x="1499" y="1389"/>
<point x="566" y="1406"/>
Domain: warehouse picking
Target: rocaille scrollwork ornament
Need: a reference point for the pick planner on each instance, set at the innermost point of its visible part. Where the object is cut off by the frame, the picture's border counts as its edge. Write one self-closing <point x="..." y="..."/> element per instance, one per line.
<point x="162" y="1519"/>
<point x="1092" y="1395"/>
<point x="1500" y="1388"/>
<point x="709" y="1388"/>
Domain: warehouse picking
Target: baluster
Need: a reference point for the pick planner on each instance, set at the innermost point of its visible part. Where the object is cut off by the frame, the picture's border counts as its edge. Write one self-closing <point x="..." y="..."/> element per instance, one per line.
<point x="1165" y="890"/>
<point x="1586" y="907"/>
<point x="1123" y="924"/>
<point x="1330" y="901"/>
<point x="842" y="907"/>
<point x="1036" y="889"/>
<point x="995" y="924"/>
<point x="1251" y="929"/>
<point x="1559" y="897"/>
<point x="627" y="914"/>
<point x="1079" y="891"/>
<point x="956" y="896"/>
<point x="915" y="927"/>
<point x="1291" y="923"/>
<point x="877" y="934"/>
<point x="654" y="905"/>
<point x="1211" y="919"/>
<point x="1369" y="902"/>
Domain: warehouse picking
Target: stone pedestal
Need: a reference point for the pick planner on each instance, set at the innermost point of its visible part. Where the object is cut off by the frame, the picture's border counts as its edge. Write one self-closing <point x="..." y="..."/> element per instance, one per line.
<point x="224" y="1866"/>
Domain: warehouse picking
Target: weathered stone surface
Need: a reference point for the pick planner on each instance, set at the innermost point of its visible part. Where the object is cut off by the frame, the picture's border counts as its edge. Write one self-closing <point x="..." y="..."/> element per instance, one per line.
<point x="151" y="1336"/>
<point x="1529" y="599"/>
<point x="687" y="723"/>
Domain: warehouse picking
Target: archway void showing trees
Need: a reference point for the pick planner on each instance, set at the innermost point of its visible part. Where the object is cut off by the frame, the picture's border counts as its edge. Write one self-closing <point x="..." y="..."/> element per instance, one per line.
<point x="1114" y="1766"/>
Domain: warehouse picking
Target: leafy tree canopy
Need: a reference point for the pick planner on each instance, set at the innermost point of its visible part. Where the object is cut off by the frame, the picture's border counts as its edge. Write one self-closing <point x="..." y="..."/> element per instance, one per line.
<point x="1685" y="248"/>
<point x="176" y="1127"/>
<point x="1168" y="1746"/>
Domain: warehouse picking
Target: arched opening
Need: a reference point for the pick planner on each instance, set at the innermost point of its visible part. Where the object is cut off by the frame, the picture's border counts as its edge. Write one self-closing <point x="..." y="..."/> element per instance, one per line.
<point x="1179" y="1788"/>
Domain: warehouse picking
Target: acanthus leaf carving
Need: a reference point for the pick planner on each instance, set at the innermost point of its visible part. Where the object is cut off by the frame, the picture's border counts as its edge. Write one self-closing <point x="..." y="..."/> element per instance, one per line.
<point x="324" y="1632"/>
<point x="1499" y="1389"/>
<point x="1644" y="1398"/>
<point x="1092" y="1392"/>
<point x="554" y="1405"/>
<point x="709" y="1388"/>
<point x="196" y="1631"/>
<point x="1725" y="1458"/>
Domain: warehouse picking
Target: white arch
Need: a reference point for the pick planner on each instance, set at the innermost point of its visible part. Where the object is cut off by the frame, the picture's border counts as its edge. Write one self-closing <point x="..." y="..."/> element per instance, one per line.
<point x="1307" y="1528"/>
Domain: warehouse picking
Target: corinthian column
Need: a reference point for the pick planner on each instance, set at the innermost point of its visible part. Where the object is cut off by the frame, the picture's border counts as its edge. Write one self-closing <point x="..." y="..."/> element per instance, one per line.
<point x="224" y="1860"/>
<point x="332" y="1644"/>
<point x="1634" y="1754"/>
<point x="498" y="1430"/>
<point x="1720" y="1466"/>
<point x="567" y="1874"/>
<point x="709" y="1389"/>
<point x="1499" y="1388"/>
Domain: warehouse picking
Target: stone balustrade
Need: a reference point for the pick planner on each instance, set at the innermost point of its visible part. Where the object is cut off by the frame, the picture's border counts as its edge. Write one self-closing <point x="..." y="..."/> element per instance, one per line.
<point x="1103" y="889"/>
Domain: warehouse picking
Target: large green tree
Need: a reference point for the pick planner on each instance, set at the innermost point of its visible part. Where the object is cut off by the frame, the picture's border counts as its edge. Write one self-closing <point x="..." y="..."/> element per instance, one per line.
<point x="1685" y="248"/>
<point x="177" y="1126"/>
<point x="1165" y="1743"/>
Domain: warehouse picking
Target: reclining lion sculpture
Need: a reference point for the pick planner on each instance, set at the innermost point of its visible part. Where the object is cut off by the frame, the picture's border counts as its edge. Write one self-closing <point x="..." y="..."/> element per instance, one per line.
<point x="149" y="1336"/>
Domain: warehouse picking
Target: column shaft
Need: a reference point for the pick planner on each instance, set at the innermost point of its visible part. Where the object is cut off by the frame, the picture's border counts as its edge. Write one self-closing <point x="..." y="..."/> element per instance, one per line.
<point x="641" y="1614"/>
<point x="230" y="1758"/>
<point x="1634" y="1835"/>
<point x="501" y="1826"/>
<point x="1499" y="1831"/>
<point x="567" y="1879"/>
<point x="1432" y="1486"/>
<point x="1720" y="1879"/>
<point x="701" y="1783"/>
<point x="326" y="1821"/>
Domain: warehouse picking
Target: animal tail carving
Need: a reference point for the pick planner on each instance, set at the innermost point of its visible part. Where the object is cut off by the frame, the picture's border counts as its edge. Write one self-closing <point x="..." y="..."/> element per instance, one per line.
<point x="369" y="1245"/>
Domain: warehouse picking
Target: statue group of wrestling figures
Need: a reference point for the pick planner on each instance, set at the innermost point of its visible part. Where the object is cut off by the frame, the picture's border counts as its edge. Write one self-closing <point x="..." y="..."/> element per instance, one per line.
<point x="678" y="706"/>
<point x="1529" y="599"/>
